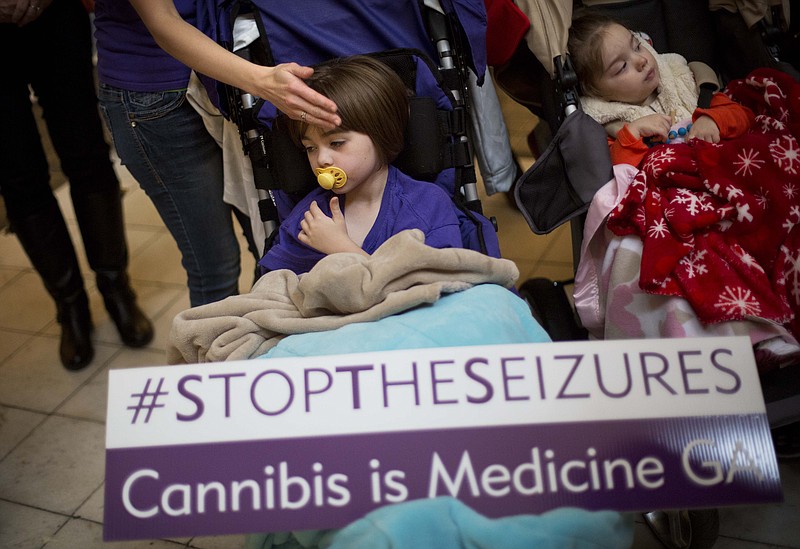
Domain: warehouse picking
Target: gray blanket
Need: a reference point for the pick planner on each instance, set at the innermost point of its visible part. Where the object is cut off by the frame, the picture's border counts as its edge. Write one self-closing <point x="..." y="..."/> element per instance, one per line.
<point x="341" y="289"/>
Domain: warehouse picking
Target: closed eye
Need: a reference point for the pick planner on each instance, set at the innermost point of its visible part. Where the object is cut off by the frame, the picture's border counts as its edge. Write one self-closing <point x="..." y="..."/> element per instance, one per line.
<point x="635" y="43"/>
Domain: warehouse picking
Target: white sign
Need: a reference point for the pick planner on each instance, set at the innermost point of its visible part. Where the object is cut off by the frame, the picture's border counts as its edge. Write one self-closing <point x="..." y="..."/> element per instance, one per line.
<point x="318" y="442"/>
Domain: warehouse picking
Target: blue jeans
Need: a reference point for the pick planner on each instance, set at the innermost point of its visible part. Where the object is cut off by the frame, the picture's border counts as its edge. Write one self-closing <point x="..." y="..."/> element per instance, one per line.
<point x="162" y="141"/>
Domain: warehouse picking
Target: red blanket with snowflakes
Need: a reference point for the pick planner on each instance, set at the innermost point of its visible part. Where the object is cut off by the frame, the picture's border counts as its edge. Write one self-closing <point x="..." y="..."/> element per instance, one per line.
<point x="720" y="222"/>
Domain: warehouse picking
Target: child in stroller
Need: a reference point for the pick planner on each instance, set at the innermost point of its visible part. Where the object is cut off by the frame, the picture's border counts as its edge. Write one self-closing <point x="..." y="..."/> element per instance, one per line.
<point x="692" y="212"/>
<point x="362" y="199"/>
<point x="639" y="95"/>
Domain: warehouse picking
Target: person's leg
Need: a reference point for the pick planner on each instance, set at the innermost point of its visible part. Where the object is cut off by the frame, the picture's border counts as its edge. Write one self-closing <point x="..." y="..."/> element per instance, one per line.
<point x="162" y="141"/>
<point x="32" y="210"/>
<point x="64" y="85"/>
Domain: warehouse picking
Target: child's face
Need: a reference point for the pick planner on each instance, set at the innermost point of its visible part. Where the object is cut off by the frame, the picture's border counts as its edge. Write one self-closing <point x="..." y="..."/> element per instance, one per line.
<point x="353" y="152"/>
<point x="630" y="73"/>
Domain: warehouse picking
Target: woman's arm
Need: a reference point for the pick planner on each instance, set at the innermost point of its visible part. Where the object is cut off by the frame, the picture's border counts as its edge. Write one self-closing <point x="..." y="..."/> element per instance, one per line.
<point x="22" y="12"/>
<point x="281" y="85"/>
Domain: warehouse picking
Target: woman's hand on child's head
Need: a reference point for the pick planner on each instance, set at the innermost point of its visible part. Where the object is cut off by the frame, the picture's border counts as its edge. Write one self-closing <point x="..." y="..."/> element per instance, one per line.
<point x="326" y="234"/>
<point x="283" y="86"/>
<point x="705" y="129"/>
<point x="650" y="126"/>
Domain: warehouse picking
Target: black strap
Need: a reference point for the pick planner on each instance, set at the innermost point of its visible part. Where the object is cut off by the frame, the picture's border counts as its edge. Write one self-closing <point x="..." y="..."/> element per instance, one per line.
<point x="706" y="93"/>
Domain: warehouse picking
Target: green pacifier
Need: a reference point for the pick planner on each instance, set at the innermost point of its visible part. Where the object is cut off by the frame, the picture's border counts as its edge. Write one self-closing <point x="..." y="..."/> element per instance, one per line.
<point x="331" y="178"/>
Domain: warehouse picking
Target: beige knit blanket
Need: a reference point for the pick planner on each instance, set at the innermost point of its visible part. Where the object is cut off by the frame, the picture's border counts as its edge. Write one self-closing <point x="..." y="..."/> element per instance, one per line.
<point x="341" y="289"/>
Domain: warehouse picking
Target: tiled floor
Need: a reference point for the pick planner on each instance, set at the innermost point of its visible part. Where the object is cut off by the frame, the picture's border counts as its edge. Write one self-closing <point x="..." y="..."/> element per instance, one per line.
<point x="52" y="421"/>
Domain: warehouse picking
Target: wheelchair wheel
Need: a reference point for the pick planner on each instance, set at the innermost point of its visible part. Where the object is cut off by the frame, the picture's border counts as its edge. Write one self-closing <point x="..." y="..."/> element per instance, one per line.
<point x="685" y="529"/>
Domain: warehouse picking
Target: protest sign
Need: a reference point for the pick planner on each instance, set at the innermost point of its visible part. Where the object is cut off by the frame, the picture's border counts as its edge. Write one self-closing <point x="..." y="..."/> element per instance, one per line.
<point x="317" y="442"/>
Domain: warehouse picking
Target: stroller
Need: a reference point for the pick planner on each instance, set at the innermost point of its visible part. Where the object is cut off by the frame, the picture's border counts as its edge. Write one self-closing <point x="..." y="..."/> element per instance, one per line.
<point x="559" y="187"/>
<point x="500" y="316"/>
<point x="440" y="56"/>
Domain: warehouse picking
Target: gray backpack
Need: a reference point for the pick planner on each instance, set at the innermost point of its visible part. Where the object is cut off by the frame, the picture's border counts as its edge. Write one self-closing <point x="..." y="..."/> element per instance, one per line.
<point x="561" y="183"/>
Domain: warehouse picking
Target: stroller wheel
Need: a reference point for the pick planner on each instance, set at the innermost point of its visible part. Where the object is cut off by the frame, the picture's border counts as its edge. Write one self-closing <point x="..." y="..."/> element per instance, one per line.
<point x="685" y="529"/>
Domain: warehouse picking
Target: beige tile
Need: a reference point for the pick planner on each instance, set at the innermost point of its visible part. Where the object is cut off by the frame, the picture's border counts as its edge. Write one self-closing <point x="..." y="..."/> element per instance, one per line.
<point x="163" y="323"/>
<point x="89" y="402"/>
<point x="58" y="467"/>
<point x="10" y="342"/>
<point x="500" y="205"/>
<point x="9" y="274"/>
<point x="519" y="244"/>
<point x="517" y="241"/>
<point x="22" y="527"/>
<point x="83" y="534"/>
<point x="159" y="262"/>
<point x="526" y="269"/>
<point x="65" y="203"/>
<point x="92" y="509"/>
<point x="559" y="246"/>
<point x="126" y="180"/>
<point x="525" y="162"/>
<point x="139" y="211"/>
<point x="26" y="304"/>
<point x="11" y="252"/>
<point x="34" y="378"/>
<point x="139" y="238"/>
<point x="15" y="425"/>
<point x="157" y="300"/>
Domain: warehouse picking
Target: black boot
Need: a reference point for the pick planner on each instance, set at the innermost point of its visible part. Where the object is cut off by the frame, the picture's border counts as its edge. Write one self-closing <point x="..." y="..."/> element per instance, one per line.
<point x="134" y="328"/>
<point x="99" y="216"/>
<point x="45" y="239"/>
<point x="76" y="349"/>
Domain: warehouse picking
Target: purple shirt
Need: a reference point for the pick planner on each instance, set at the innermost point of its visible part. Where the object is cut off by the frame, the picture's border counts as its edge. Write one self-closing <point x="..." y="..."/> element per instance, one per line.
<point x="128" y="56"/>
<point x="406" y="204"/>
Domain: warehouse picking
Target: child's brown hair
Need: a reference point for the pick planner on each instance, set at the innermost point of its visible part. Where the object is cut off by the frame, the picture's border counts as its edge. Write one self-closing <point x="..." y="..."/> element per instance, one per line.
<point x="370" y="99"/>
<point x="586" y="37"/>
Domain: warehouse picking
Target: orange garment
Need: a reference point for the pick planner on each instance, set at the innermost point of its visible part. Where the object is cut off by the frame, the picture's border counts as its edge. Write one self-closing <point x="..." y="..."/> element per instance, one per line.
<point x="732" y="119"/>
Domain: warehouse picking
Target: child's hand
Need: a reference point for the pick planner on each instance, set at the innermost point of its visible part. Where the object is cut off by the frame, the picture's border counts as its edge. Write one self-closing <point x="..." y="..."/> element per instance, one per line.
<point x="650" y="126"/>
<point x="706" y="129"/>
<point x="326" y="234"/>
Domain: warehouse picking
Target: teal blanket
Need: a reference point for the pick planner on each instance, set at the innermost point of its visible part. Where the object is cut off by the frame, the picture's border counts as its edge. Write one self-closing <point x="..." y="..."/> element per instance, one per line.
<point x="483" y="315"/>
<point x="446" y="523"/>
